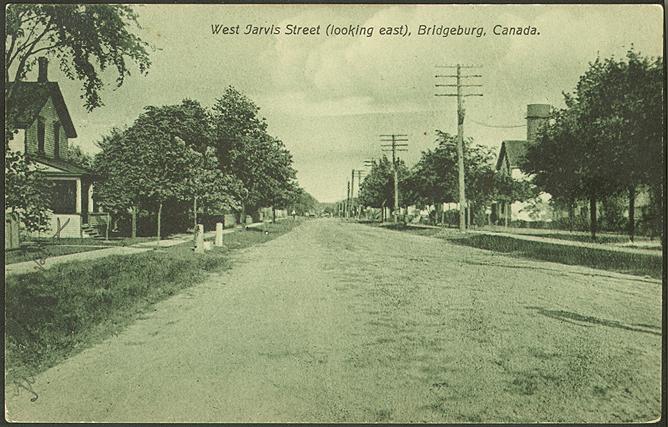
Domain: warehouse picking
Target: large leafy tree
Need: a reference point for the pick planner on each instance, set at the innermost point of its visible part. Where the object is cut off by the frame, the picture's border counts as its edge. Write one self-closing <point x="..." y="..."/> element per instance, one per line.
<point x="28" y="199"/>
<point x="301" y="202"/>
<point x="85" y="40"/>
<point x="210" y="189"/>
<point x="608" y="138"/>
<point x="554" y="160"/>
<point x="377" y="188"/>
<point x="245" y="150"/>
<point x="79" y="157"/>
<point x="117" y="188"/>
<point x="620" y="106"/>
<point x="148" y="163"/>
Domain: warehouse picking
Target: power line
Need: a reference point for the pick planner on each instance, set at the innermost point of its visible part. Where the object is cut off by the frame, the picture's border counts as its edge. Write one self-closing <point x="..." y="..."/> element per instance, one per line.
<point x="498" y="126"/>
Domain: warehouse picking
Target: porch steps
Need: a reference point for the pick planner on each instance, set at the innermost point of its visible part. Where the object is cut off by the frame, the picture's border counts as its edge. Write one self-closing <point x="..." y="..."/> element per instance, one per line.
<point x="90" y="231"/>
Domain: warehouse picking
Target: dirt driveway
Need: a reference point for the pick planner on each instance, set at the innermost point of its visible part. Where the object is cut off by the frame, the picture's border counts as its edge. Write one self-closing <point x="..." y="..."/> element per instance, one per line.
<point x="338" y="322"/>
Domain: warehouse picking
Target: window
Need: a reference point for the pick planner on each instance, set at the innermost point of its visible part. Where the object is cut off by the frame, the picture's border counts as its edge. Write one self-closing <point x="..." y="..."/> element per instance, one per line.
<point x="64" y="197"/>
<point x="56" y="140"/>
<point x="40" y="135"/>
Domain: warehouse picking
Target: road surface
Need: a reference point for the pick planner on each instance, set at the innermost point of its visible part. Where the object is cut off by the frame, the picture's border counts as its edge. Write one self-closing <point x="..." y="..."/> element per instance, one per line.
<point x="340" y="322"/>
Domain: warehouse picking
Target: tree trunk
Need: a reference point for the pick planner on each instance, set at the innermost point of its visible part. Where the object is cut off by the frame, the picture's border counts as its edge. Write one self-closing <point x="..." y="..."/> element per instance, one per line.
<point x="106" y="229"/>
<point x="592" y="216"/>
<point x="632" y="212"/>
<point x="134" y="221"/>
<point x="195" y="211"/>
<point x="571" y="214"/>
<point x="273" y="215"/>
<point x="159" y="218"/>
<point x="242" y="216"/>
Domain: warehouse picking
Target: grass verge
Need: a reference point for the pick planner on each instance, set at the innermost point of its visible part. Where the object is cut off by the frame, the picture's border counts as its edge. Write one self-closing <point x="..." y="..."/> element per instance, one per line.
<point x="622" y="262"/>
<point x="53" y="314"/>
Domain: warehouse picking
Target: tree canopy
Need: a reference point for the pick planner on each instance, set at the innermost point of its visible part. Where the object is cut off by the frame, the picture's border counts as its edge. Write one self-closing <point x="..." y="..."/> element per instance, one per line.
<point x="85" y="38"/>
<point x="245" y="150"/>
<point x="608" y="138"/>
<point x="377" y="188"/>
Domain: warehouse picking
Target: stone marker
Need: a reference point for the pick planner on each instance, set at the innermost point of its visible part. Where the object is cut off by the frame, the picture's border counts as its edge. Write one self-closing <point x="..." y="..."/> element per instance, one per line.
<point x="219" y="234"/>
<point x="199" y="239"/>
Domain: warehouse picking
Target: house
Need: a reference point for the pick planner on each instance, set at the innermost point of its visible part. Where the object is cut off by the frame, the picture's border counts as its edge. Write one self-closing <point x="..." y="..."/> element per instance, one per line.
<point x="511" y="156"/>
<point x="45" y="128"/>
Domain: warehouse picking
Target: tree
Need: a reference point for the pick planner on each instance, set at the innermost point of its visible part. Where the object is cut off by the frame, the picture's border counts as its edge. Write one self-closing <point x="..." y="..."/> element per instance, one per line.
<point x="117" y="187"/>
<point x="301" y="202"/>
<point x="29" y="196"/>
<point x="147" y="163"/>
<point x="80" y="158"/>
<point x="377" y="188"/>
<point x="620" y="103"/>
<point x="554" y="161"/>
<point x="80" y="37"/>
<point x="234" y="117"/>
<point x="608" y="138"/>
<point x="244" y="149"/>
<point x="209" y="188"/>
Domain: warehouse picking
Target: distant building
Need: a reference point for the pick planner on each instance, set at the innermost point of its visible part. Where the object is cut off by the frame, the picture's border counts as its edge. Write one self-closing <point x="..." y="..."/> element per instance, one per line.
<point x="45" y="127"/>
<point x="511" y="156"/>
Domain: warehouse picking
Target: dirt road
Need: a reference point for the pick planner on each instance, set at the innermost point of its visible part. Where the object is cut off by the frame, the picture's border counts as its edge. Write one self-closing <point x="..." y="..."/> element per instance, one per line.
<point x="338" y="322"/>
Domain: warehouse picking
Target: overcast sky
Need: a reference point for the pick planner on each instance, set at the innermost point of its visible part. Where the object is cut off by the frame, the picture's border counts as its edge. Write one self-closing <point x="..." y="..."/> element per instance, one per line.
<point x="329" y="98"/>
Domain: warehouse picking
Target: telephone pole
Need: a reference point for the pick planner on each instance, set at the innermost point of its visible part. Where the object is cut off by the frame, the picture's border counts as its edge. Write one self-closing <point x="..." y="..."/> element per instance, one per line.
<point x="352" y="192"/>
<point x="348" y="201"/>
<point x="460" y="127"/>
<point x="396" y="144"/>
<point x="359" y="188"/>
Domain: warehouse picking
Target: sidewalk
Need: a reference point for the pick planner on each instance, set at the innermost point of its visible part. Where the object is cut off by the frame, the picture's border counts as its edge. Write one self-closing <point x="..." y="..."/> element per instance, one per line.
<point x="37" y="265"/>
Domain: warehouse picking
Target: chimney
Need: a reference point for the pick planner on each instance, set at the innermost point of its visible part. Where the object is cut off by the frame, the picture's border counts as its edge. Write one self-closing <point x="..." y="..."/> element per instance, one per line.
<point x="43" y="69"/>
<point x="537" y="115"/>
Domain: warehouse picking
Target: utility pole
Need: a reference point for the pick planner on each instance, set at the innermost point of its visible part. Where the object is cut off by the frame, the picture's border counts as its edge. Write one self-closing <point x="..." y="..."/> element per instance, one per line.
<point x="352" y="192"/>
<point x="359" y="188"/>
<point x="369" y="163"/>
<point x="348" y="201"/>
<point x="396" y="144"/>
<point x="460" y="127"/>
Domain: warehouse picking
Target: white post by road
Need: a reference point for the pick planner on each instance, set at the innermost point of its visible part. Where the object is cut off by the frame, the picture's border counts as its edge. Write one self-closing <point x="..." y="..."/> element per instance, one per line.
<point x="199" y="240"/>
<point x="219" y="234"/>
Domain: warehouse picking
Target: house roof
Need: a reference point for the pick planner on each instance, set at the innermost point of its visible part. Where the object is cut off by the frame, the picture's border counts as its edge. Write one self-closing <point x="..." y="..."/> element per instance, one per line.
<point x="515" y="150"/>
<point x="28" y="98"/>
<point x="67" y="168"/>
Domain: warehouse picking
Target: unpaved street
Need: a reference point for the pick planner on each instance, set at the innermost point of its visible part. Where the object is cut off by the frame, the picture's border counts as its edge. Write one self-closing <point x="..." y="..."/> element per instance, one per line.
<point x="338" y="322"/>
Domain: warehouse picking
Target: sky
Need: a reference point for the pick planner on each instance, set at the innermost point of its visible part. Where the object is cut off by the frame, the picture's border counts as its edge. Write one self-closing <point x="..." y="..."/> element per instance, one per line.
<point x="329" y="98"/>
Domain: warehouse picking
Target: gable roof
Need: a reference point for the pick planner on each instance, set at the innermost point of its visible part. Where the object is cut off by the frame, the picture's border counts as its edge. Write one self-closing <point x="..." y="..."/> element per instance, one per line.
<point x="66" y="168"/>
<point x="515" y="150"/>
<point x="27" y="101"/>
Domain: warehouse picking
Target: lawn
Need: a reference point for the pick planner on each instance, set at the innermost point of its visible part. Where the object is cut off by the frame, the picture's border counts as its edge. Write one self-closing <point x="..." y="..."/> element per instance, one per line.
<point x="55" y="313"/>
<point x="629" y="263"/>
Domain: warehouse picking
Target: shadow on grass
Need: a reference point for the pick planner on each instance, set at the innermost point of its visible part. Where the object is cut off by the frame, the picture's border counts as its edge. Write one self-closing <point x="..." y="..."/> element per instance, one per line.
<point x="622" y="262"/>
<point x="571" y="317"/>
